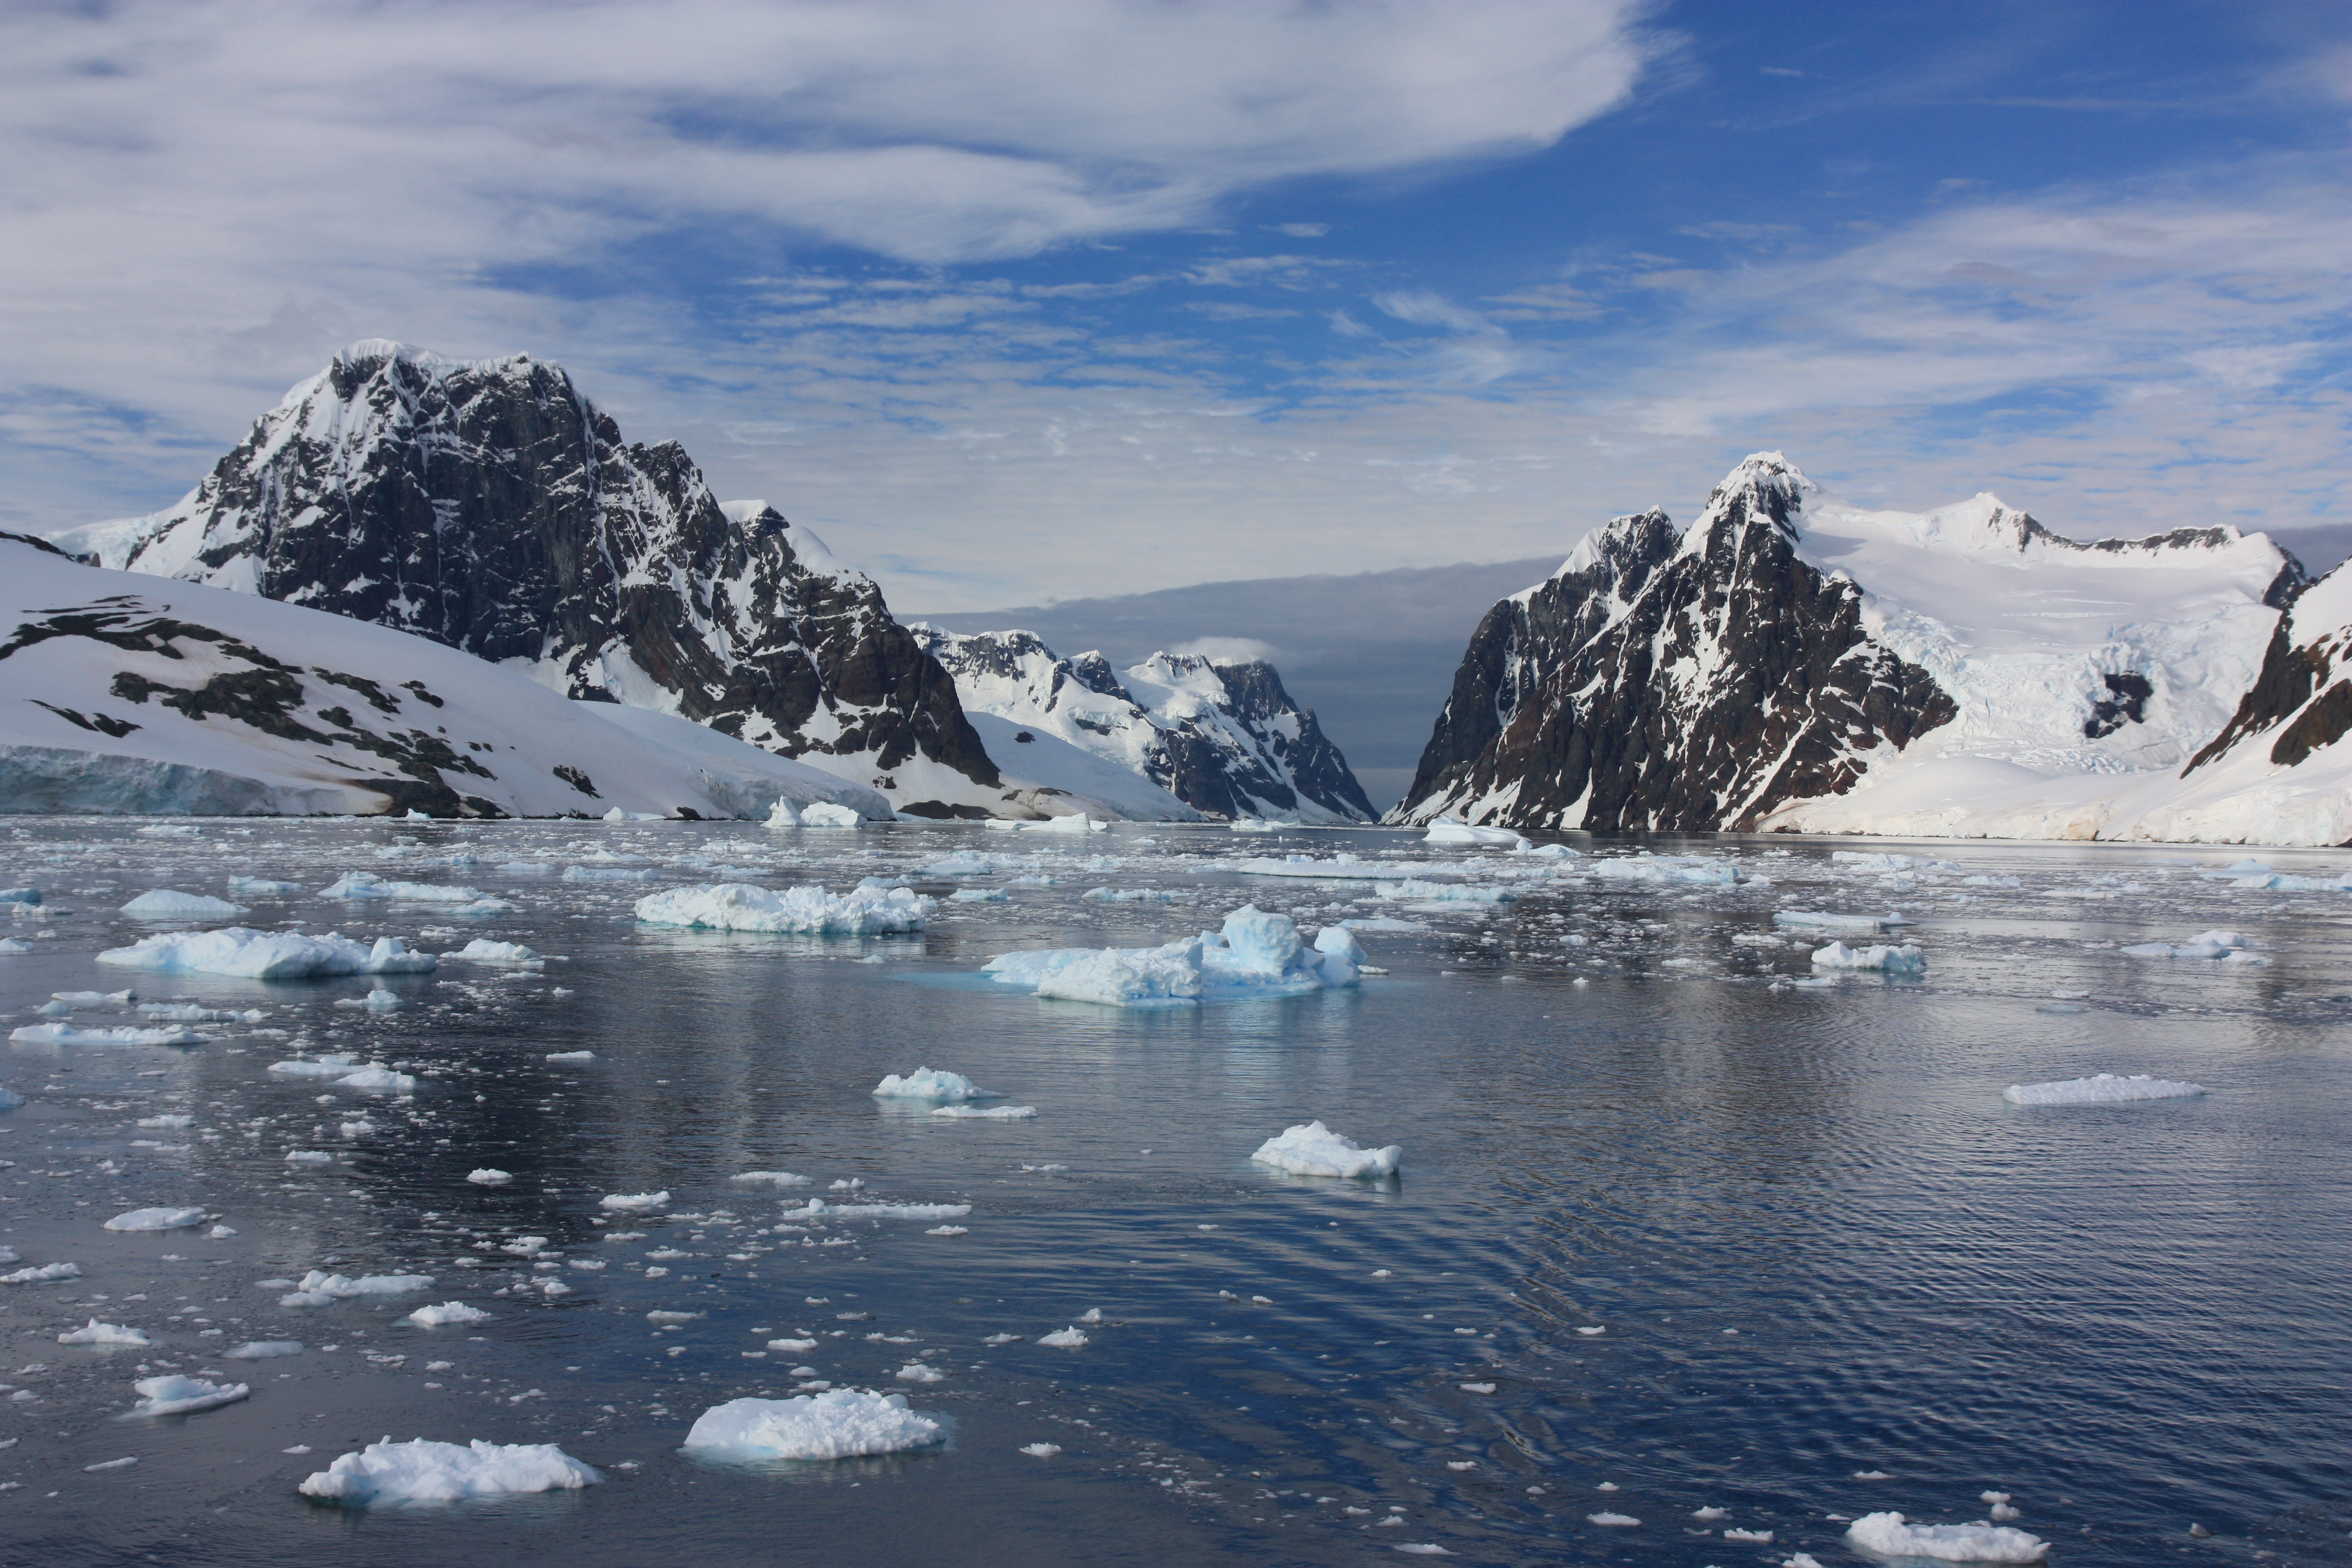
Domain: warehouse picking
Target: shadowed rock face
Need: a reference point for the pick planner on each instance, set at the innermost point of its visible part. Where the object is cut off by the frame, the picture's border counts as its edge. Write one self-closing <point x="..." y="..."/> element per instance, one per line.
<point x="491" y="507"/>
<point x="2293" y="702"/>
<point x="1669" y="683"/>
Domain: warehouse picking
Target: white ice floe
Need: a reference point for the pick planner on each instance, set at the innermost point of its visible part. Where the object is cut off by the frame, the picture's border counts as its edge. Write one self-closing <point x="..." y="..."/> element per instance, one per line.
<point x="1339" y="867"/>
<point x="189" y="1013"/>
<point x="1887" y="1535"/>
<point x="1903" y="960"/>
<point x="42" y="1275"/>
<point x="774" y="1178"/>
<point x="1447" y="830"/>
<point x="264" y="1350"/>
<point x="1614" y="1521"/>
<point x="268" y="954"/>
<point x="164" y="904"/>
<point x="489" y="1176"/>
<point x="634" y="1202"/>
<point x="1414" y="890"/>
<point x="262" y="887"/>
<point x="127" y="1035"/>
<point x="445" y="1315"/>
<point x="1076" y="821"/>
<point x="817" y="1208"/>
<point x="11" y="948"/>
<point x="172" y="1394"/>
<point x="1311" y="1149"/>
<point x="10" y="1099"/>
<point x="571" y="1056"/>
<point x="157" y="1218"/>
<point x="339" y="1287"/>
<point x="1708" y="869"/>
<point x="308" y="1157"/>
<point x="1041" y="1450"/>
<point x="426" y="1471"/>
<point x="482" y="949"/>
<point x="980" y="896"/>
<point x="377" y="1079"/>
<point x="2222" y="944"/>
<point x="916" y="1372"/>
<point x="97" y="1333"/>
<point x="933" y="1084"/>
<point x="838" y="1424"/>
<point x="334" y="1065"/>
<point x="1816" y="919"/>
<point x="368" y="885"/>
<point x="1255" y="954"/>
<point x="2104" y="1088"/>
<point x="986" y="1113"/>
<point x="825" y="814"/>
<point x="1069" y="1339"/>
<point x="739" y="906"/>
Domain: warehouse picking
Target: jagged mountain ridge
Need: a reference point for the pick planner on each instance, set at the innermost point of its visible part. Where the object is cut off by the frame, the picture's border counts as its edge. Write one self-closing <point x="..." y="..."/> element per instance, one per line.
<point x="1220" y="738"/>
<point x="1789" y="647"/>
<point x="489" y="506"/>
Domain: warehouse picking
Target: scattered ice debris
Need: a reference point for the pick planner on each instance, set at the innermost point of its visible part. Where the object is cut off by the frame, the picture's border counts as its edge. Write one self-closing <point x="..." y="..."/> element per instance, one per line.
<point x="189" y="1013"/>
<point x="174" y="1394"/>
<point x="838" y="1424"/>
<point x="426" y="1471"/>
<point x="97" y="1333"/>
<point x="1068" y="1339"/>
<point x="332" y="1066"/>
<point x="932" y="1083"/>
<point x="1413" y="890"/>
<point x="1903" y="960"/>
<point x="1887" y="1535"/>
<point x="571" y="1056"/>
<point x="1130" y="894"/>
<point x="42" y="1275"/>
<point x="163" y="904"/>
<point x="774" y="1179"/>
<point x="268" y="954"/>
<point x="482" y="949"/>
<point x="445" y="1315"/>
<point x="1708" y="869"/>
<point x="2002" y="1510"/>
<point x="66" y="1035"/>
<point x="607" y="873"/>
<point x="1614" y="1521"/>
<point x="1311" y="1149"/>
<point x="634" y="1202"/>
<point x="817" y="1208"/>
<point x="986" y="1113"/>
<point x="1255" y="954"/>
<point x="1041" y="1450"/>
<point x="157" y="1218"/>
<point x="2104" y="1088"/>
<point x="739" y="906"/>
<point x="1816" y="919"/>
<point x="1447" y="830"/>
<point x="264" y="1350"/>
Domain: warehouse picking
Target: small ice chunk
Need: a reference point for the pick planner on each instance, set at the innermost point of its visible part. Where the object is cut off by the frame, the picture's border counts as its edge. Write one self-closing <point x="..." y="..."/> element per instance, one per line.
<point x="932" y="1083"/>
<point x="1311" y="1149"/>
<point x="163" y="904"/>
<point x="1614" y="1521"/>
<point x="489" y="1176"/>
<point x="157" y="1219"/>
<point x="916" y="1372"/>
<point x="308" y="1157"/>
<point x="169" y="1122"/>
<point x="43" y="1275"/>
<point x="446" y="1314"/>
<point x="838" y="1424"/>
<point x="571" y="1056"/>
<point x="1889" y="1536"/>
<point x="264" y="1350"/>
<point x="268" y="954"/>
<point x="377" y="1079"/>
<point x="1068" y="1339"/>
<point x="634" y="1202"/>
<point x="2104" y="1088"/>
<point x="774" y="1179"/>
<point x="1905" y="958"/>
<point x="1041" y="1450"/>
<point x="482" y="949"/>
<point x="97" y="1333"/>
<point x="986" y="1113"/>
<point x="175" y="1395"/>
<point x="426" y="1471"/>
<point x="808" y="910"/>
<point x="338" y="1287"/>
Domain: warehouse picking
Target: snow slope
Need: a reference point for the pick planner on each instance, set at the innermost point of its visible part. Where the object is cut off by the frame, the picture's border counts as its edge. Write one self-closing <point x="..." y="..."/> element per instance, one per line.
<point x="121" y="693"/>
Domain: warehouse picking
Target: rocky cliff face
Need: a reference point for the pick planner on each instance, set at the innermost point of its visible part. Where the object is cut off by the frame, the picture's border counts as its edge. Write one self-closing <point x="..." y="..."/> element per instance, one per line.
<point x="489" y="506"/>
<point x="2302" y="700"/>
<point x="1671" y="682"/>
<point x="1224" y="739"/>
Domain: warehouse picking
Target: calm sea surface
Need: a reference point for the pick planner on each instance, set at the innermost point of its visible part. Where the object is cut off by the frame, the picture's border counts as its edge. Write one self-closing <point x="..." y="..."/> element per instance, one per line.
<point x="1713" y="1239"/>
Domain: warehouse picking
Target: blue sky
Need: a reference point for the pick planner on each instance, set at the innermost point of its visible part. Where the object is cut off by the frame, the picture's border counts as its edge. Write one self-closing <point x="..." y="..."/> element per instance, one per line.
<point x="1014" y="302"/>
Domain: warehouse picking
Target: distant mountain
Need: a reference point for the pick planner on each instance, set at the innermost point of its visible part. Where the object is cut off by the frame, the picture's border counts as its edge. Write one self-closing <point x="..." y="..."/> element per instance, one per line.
<point x="489" y="506"/>
<point x="1790" y="662"/>
<point x="1212" y="737"/>
<point x="126" y="693"/>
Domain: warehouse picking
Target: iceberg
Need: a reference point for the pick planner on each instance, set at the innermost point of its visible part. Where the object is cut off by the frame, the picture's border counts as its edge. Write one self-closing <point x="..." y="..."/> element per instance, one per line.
<point x="2102" y="1089"/>
<point x="267" y="954"/>
<point x="1255" y="954"/>
<point x="1887" y="1535"/>
<point x="932" y="1083"/>
<point x="163" y="904"/>
<point x="838" y="1424"/>
<point x="172" y="1394"/>
<point x="444" y="1315"/>
<point x="1447" y="830"/>
<point x="635" y="1202"/>
<point x="1311" y="1149"/>
<point x="426" y="1471"/>
<point x="825" y="814"/>
<point x="1903" y="960"/>
<point x="739" y="906"/>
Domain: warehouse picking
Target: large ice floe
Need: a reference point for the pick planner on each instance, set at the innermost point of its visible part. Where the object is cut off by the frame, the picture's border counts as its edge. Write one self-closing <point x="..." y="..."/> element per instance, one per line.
<point x="426" y="1471"/>
<point x="1887" y="1535"/>
<point x="157" y="1219"/>
<point x="811" y="912"/>
<point x="934" y="1085"/>
<point x="267" y="954"/>
<point x="838" y="1424"/>
<point x="164" y="904"/>
<point x="1255" y="954"/>
<point x="1903" y="960"/>
<point x="124" y="1035"/>
<point x="174" y="1394"/>
<point x="2102" y="1089"/>
<point x="1311" y="1149"/>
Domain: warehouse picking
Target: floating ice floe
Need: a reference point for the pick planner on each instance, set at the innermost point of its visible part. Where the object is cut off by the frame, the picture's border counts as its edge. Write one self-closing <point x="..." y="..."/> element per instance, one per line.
<point x="190" y="1013"/>
<point x="571" y="1056"/>
<point x="368" y="885"/>
<point x="774" y="1179"/>
<point x="268" y="954"/>
<point x="1041" y="1450"/>
<point x="20" y="895"/>
<point x="482" y="949"/>
<point x="1255" y="954"/>
<point x="1903" y="960"/>
<point x="97" y="1333"/>
<point x="739" y="906"/>
<point x="1646" y="867"/>
<point x="172" y="1394"/>
<point x="916" y="1372"/>
<point x="817" y="1208"/>
<point x="10" y="1099"/>
<point x="125" y="1035"/>
<point x="1311" y="1149"/>
<point x="1340" y="868"/>
<point x="986" y="1113"/>
<point x="426" y="1471"/>
<point x="1817" y="919"/>
<point x="2226" y="945"/>
<point x="1447" y="830"/>
<point x="264" y="1350"/>
<point x="377" y="1079"/>
<point x="2104" y="1088"/>
<point x="1076" y="822"/>
<point x="980" y="896"/>
<point x="340" y="1287"/>
<point x="607" y="873"/>
<point x="838" y="1424"/>
<point x="2281" y="882"/>
<point x="1887" y="1535"/>
<point x="1614" y="1521"/>
<point x="445" y="1314"/>
<point x="1414" y="890"/>
<point x="331" y="1066"/>
<point x="43" y="1275"/>
<point x="932" y="1083"/>
<point x="1128" y="895"/>
<point x="11" y="948"/>
<point x="262" y="887"/>
<point x="164" y="904"/>
<point x="1069" y="1339"/>
<point x="635" y="1202"/>
<point x="157" y="1218"/>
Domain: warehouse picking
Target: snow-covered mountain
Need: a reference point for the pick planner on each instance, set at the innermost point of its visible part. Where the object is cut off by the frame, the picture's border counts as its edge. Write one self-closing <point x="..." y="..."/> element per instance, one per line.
<point x="1791" y="657"/>
<point x="489" y="506"/>
<point x="124" y="693"/>
<point x="1220" y="738"/>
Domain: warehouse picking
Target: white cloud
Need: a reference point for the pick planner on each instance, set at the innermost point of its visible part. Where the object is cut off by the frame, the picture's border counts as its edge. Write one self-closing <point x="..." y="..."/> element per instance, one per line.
<point x="1228" y="650"/>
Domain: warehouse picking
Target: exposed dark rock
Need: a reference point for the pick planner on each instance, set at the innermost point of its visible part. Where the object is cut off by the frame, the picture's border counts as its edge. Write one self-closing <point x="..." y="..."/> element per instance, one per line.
<point x="2125" y="703"/>
<point x="2293" y="695"/>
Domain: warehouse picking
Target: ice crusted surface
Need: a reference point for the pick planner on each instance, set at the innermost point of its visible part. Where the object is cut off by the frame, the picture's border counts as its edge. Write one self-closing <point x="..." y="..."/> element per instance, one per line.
<point x="739" y="906"/>
<point x="156" y="1218"/>
<point x="1887" y="1535"/>
<point x="932" y="1083"/>
<point x="838" y="1424"/>
<point x="1901" y="959"/>
<point x="174" y="1394"/>
<point x="165" y="904"/>
<point x="1255" y="954"/>
<point x="1312" y="1149"/>
<point x="2104" y="1088"/>
<point x="426" y="1471"/>
<point x="267" y="954"/>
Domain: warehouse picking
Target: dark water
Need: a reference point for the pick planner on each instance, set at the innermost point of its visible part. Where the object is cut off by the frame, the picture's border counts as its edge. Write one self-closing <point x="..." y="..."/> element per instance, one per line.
<point x="1816" y="1240"/>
